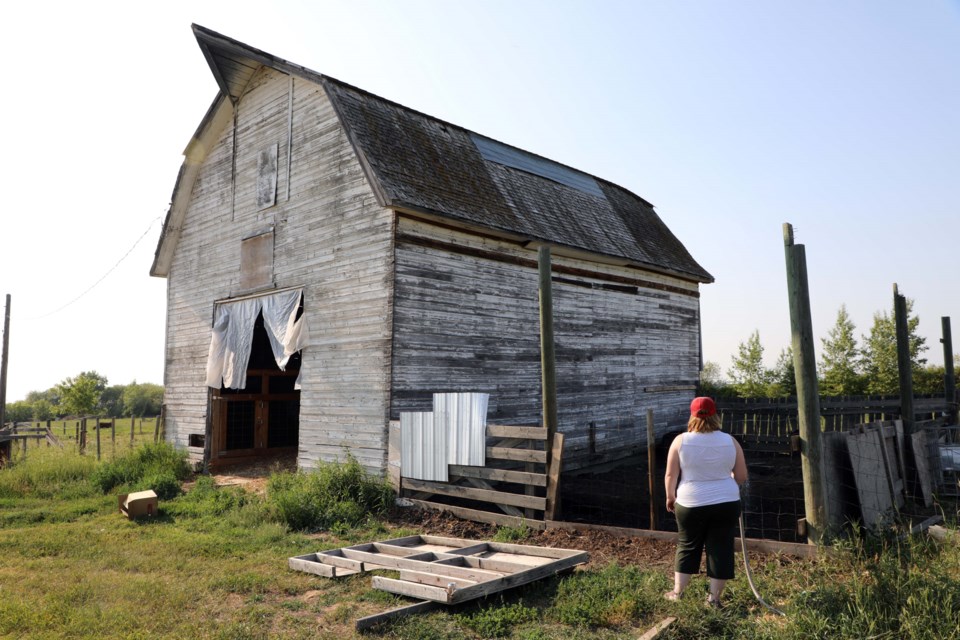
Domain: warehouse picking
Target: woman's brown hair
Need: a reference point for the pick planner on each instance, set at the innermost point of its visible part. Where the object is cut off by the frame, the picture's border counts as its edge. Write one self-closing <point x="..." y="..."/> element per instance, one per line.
<point x="703" y="425"/>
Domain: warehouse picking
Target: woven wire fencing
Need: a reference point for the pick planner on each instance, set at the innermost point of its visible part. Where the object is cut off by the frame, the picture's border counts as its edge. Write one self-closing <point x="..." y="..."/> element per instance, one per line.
<point x="868" y="470"/>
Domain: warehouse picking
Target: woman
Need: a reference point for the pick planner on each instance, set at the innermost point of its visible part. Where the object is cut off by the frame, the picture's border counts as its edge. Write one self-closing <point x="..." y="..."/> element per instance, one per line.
<point x="710" y="467"/>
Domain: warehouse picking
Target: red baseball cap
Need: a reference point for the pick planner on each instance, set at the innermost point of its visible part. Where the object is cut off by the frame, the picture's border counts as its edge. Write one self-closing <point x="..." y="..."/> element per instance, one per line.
<point x="703" y="407"/>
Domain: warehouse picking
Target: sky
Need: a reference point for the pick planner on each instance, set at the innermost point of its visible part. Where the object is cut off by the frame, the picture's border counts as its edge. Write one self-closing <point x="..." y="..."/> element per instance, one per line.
<point x="732" y="118"/>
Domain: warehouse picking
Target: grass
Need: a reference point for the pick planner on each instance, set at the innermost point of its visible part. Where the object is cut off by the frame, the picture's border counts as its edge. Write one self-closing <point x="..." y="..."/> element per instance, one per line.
<point x="212" y="564"/>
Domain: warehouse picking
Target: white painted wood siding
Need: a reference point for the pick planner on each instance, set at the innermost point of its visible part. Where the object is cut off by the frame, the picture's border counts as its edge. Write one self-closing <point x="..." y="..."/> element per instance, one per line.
<point x="466" y="321"/>
<point x="331" y="237"/>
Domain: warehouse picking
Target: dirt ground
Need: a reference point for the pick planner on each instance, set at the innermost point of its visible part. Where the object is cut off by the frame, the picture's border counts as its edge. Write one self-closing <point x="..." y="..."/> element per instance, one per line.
<point x="603" y="547"/>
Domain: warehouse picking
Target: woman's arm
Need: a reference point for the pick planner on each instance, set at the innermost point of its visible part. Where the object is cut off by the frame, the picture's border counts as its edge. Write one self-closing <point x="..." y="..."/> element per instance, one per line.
<point x="739" y="465"/>
<point x="673" y="472"/>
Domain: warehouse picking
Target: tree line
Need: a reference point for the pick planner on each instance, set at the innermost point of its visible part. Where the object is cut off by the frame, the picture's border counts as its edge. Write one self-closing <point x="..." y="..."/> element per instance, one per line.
<point x="85" y="394"/>
<point x="845" y="367"/>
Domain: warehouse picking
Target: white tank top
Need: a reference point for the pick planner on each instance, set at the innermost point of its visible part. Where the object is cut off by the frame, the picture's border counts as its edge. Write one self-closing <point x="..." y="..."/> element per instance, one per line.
<point x="706" y="464"/>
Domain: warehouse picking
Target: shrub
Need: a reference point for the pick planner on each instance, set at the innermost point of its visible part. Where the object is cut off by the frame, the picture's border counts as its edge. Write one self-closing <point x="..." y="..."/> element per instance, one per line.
<point x="333" y="495"/>
<point x="149" y="461"/>
<point x="164" y="484"/>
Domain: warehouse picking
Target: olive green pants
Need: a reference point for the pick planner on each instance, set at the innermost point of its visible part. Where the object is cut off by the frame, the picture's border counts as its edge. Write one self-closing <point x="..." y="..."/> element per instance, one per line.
<point x="712" y="526"/>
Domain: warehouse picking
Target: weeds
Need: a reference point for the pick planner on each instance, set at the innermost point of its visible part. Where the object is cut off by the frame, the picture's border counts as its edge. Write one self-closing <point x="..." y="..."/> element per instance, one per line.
<point x="47" y="473"/>
<point x="333" y="496"/>
<point x="152" y="466"/>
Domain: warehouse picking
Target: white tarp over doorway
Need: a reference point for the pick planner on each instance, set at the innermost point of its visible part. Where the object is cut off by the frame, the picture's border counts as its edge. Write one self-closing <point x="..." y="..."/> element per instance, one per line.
<point x="232" y="339"/>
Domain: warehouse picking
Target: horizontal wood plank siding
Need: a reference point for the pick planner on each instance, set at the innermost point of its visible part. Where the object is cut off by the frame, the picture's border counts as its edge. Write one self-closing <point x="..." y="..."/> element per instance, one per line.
<point x="465" y="319"/>
<point x="330" y="237"/>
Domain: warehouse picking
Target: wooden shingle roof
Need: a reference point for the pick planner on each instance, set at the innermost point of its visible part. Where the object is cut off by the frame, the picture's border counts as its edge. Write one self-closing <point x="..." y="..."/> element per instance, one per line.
<point x="419" y="163"/>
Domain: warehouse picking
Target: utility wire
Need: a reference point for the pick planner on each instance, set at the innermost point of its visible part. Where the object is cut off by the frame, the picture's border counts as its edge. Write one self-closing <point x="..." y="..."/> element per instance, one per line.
<point x="104" y="276"/>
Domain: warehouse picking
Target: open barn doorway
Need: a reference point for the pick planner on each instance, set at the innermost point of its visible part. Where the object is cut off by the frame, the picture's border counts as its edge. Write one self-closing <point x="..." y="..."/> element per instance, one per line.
<point x="261" y="420"/>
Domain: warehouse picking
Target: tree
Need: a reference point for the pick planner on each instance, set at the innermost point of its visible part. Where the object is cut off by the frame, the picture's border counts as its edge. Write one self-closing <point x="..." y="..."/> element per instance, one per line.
<point x="929" y="380"/>
<point x="111" y="401"/>
<point x="19" y="411"/>
<point x="712" y="382"/>
<point x="142" y="399"/>
<point x="783" y="378"/>
<point x="81" y="395"/>
<point x="840" y="359"/>
<point x="42" y="410"/>
<point x="750" y="378"/>
<point x="880" y="351"/>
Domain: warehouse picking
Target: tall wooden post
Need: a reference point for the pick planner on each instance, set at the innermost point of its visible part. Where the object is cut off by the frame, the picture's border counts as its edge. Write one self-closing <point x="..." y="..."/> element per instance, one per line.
<point x="949" y="380"/>
<point x="98" y="437"/>
<point x="904" y="364"/>
<point x="3" y="362"/>
<point x="808" y="394"/>
<point x="652" y="470"/>
<point x="548" y="362"/>
<point x="548" y="380"/>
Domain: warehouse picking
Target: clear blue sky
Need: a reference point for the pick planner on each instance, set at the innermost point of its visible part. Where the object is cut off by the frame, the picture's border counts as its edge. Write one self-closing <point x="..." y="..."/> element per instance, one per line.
<point x="732" y="118"/>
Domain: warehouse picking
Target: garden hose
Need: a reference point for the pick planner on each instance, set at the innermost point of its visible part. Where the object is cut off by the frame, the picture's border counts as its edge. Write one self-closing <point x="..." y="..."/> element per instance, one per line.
<point x="746" y="566"/>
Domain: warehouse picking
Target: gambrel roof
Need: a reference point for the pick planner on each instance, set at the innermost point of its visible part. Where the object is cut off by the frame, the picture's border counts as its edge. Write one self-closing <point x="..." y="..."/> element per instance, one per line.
<point x="421" y="164"/>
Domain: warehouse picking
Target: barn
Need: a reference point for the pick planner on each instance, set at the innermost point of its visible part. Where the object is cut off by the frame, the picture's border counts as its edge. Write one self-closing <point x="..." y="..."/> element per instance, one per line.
<point x="334" y="258"/>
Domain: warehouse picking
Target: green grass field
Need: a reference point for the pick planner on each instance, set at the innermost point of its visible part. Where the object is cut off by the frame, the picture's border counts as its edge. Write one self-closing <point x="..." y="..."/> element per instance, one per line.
<point x="213" y="565"/>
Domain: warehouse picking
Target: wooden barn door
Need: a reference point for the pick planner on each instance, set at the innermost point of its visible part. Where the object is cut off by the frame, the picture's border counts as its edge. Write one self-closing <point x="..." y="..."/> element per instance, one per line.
<point x="263" y="418"/>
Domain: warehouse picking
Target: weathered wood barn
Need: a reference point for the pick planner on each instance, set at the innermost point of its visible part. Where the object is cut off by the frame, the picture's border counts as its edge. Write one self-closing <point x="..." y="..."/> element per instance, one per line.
<point x="332" y="258"/>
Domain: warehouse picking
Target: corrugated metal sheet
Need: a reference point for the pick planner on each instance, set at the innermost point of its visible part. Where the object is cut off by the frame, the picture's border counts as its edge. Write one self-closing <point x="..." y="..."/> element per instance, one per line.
<point x="423" y="447"/>
<point x="518" y="159"/>
<point x="464" y="419"/>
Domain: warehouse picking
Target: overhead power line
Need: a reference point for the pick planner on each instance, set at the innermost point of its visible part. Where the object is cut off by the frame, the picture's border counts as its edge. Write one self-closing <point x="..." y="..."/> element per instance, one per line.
<point x="104" y="276"/>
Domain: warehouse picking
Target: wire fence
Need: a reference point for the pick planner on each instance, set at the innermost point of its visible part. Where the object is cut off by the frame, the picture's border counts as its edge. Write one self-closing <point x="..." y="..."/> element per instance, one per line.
<point x="875" y="474"/>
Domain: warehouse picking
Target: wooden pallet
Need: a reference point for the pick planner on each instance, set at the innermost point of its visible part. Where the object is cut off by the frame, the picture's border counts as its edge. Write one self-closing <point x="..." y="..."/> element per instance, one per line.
<point x="443" y="570"/>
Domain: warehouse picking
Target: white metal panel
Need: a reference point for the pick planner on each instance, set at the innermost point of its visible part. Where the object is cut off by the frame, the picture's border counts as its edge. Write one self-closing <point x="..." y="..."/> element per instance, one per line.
<point x="423" y="447"/>
<point x="464" y="419"/>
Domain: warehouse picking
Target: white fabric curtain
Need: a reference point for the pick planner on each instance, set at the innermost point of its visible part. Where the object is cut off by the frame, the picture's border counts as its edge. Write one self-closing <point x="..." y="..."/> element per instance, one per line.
<point x="232" y="336"/>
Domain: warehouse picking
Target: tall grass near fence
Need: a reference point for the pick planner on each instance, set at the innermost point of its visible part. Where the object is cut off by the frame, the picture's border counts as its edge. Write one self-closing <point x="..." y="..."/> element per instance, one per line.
<point x="47" y="473"/>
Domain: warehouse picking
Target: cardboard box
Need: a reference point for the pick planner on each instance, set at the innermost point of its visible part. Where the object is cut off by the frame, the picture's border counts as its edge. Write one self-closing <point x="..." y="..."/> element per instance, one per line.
<point x="139" y="503"/>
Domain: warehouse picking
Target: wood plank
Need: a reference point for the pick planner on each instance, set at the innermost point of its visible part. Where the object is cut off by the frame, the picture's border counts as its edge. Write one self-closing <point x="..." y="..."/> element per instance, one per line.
<point x="306" y="565"/>
<point x="656" y="629"/>
<point x="499" y="475"/>
<point x="485" y="495"/>
<point x="412" y="589"/>
<point x="553" y="479"/>
<point x="391" y="562"/>
<point x="517" y="579"/>
<point x="507" y="509"/>
<point x="519" y="455"/>
<point x="435" y="579"/>
<point x="479" y="516"/>
<point x="918" y="446"/>
<point x="523" y="433"/>
<point x="368" y="622"/>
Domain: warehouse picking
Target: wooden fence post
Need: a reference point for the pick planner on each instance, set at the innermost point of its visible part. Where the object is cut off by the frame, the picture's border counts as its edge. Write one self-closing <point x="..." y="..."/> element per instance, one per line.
<point x="904" y="365"/>
<point x="133" y="420"/>
<point x="548" y="363"/>
<point x="3" y="362"/>
<point x="652" y="470"/>
<point x="113" y="437"/>
<point x="98" y="436"/>
<point x="949" y="380"/>
<point x="83" y="435"/>
<point x="808" y="395"/>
